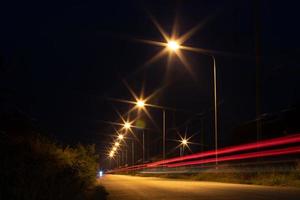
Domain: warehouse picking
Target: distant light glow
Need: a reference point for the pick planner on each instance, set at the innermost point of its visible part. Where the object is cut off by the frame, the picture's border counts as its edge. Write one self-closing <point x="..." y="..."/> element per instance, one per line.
<point x="117" y="144"/>
<point x="127" y="125"/>
<point x="114" y="148"/>
<point x="140" y="103"/>
<point x="120" y="137"/>
<point x="173" y="45"/>
<point x="111" y="154"/>
<point x="184" y="142"/>
<point x="100" y="173"/>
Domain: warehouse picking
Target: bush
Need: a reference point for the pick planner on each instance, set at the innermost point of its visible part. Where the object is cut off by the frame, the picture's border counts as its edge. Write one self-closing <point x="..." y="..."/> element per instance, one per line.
<point x="36" y="168"/>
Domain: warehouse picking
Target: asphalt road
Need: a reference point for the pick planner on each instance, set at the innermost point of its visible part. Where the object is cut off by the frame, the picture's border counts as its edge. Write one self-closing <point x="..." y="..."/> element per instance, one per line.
<point x="122" y="187"/>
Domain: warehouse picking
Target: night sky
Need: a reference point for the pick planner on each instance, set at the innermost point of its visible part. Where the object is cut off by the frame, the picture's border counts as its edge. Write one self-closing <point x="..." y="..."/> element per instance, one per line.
<point x="61" y="61"/>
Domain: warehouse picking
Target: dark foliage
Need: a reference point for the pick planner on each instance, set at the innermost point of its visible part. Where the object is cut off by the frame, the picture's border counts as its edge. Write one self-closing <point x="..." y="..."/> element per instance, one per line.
<point x="36" y="168"/>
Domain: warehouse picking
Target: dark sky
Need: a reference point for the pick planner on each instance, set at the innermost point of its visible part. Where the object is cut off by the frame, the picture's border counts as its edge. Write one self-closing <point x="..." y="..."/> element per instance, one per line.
<point x="61" y="60"/>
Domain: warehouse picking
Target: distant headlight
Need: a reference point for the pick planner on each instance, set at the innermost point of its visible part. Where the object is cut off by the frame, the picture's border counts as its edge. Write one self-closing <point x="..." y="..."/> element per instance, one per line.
<point x="100" y="173"/>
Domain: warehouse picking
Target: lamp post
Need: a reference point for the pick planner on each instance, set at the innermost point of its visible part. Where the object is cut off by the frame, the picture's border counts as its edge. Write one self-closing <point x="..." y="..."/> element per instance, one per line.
<point x="140" y="103"/>
<point x="132" y="152"/>
<point x="215" y="108"/>
<point x="127" y="150"/>
<point x="126" y="157"/>
<point x="173" y="46"/>
<point x="164" y="133"/>
<point x="143" y="137"/>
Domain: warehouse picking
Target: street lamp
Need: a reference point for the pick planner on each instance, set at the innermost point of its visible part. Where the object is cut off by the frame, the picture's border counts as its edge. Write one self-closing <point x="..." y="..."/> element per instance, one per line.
<point x="173" y="45"/>
<point x="120" y="137"/>
<point x="111" y="154"/>
<point x="140" y="103"/>
<point x="127" y="125"/>
<point x="117" y="144"/>
<point x="183" y="143"/>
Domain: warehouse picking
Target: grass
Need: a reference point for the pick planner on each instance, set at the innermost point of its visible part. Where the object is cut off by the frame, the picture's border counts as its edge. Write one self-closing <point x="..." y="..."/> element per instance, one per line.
<point x="271" y="176"/>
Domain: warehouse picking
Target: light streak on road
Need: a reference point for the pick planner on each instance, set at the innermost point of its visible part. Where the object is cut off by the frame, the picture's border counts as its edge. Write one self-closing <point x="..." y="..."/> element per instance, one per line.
<point x="257" y="145"/>
<point x="267" y="153"/>
<point x="178" y="161"/>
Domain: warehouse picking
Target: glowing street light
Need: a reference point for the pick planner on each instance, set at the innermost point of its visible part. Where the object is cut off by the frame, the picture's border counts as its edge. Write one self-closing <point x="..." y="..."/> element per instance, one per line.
<point x="111" y="154"/>
<point x="140" y="103"/>
<point x="127" y="125"/>
<point x="173" y="45"/>
<point x="184" y="142"/>
<point x="120" y="137"/>
<point x="117" y="144"/>
<point x="114" y="148"/>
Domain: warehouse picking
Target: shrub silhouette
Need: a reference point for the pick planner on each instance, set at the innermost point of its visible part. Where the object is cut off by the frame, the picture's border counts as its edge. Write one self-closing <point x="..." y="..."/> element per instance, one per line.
<point x="36" y="168"/>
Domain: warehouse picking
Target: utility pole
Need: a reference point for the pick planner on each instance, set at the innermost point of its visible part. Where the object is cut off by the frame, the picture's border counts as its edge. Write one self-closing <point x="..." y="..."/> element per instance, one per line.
<point x="164" y="134"/>
<point x="132" y="152"/>
<point x="202" y="134"/>
<point x="215" y="108"/>
<point x="126" y="157"/>
<point x="143" y="135"/>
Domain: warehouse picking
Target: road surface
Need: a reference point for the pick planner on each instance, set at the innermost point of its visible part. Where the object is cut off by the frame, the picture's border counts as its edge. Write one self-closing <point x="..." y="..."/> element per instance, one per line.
<point x="122" y="187"/>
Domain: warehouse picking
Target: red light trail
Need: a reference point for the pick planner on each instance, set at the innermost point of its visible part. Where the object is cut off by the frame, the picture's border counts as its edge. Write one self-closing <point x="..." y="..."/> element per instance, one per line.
<point x="262" y="144"/>
<point x="275" y="152"/>
<point x="177" y="162"/>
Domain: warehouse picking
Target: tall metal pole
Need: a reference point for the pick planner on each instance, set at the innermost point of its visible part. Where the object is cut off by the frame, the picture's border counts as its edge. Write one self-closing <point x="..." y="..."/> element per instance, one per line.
<point x="202" y="134"/>
<point x="180" y="151"/>
<point x="118" y="161"/>
<point x="143" y="145"/>
<point x="164" y="134"/>
<point x="215" y="108"/>
<point x="122" y="158"/>
<point x="126" y="157"/>
<point x="132" y="152"/>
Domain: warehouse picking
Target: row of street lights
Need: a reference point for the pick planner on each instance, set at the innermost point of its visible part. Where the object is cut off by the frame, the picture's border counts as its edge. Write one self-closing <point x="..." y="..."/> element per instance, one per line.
<point x="173" y="45"/>
<point x="116" y="145"/>
<point x="127" y="126"/>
